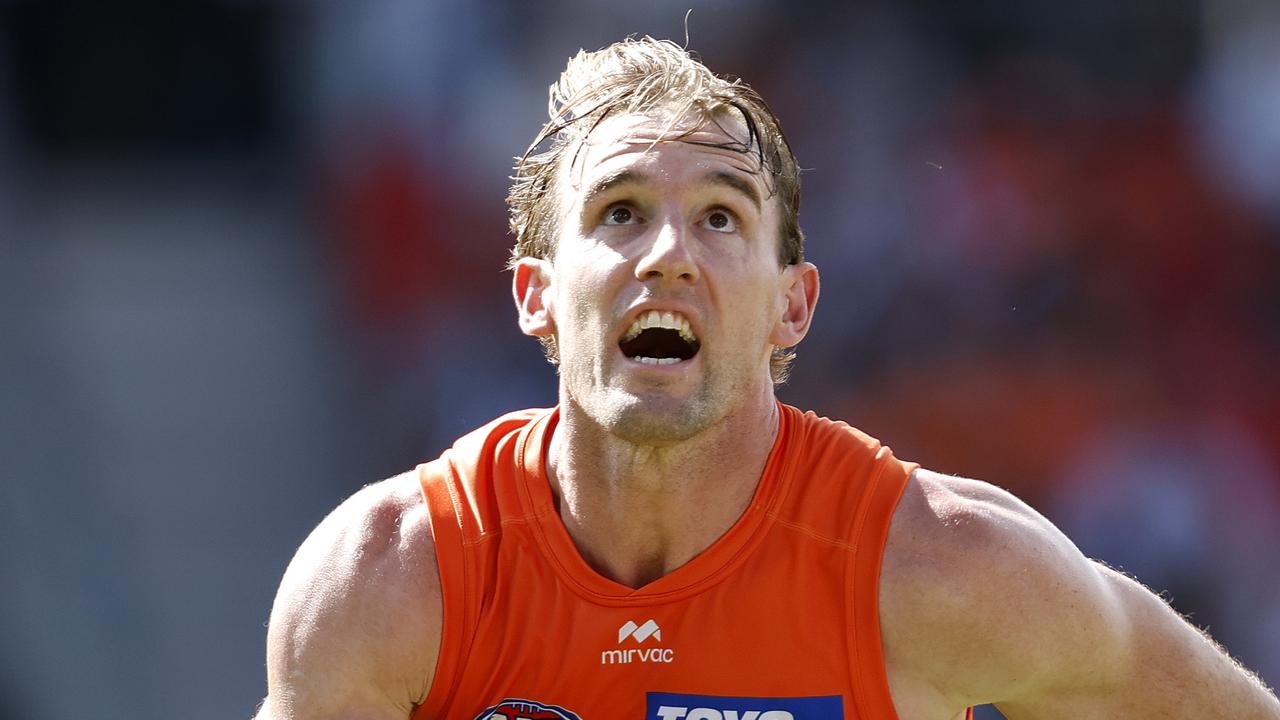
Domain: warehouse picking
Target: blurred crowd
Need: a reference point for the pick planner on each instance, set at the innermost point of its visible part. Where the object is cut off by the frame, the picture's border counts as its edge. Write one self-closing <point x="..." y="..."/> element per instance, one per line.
<point x="251" y="259"/>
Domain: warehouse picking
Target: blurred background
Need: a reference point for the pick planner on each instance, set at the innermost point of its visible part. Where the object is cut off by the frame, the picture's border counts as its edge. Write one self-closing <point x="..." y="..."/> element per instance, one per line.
<point x="251" y="259"/>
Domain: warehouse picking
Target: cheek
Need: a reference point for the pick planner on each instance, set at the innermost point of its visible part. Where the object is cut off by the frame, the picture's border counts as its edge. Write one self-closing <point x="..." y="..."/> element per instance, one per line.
<point x="581" y="300"/>
<point x="757" y="307"/>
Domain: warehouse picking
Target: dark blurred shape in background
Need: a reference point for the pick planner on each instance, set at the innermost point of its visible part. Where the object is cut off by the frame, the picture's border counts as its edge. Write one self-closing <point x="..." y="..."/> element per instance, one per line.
<point x="143" y="78"/>
<point x="251" y="259"/>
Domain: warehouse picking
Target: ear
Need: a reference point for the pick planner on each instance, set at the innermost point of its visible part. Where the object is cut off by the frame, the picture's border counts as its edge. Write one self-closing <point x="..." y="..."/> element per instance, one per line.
<point x="529" y="286"/>
<point x="800" y="293"/>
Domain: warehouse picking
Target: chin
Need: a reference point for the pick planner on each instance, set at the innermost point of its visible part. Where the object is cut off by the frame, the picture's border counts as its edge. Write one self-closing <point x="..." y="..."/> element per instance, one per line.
<point x="653" y="421"/>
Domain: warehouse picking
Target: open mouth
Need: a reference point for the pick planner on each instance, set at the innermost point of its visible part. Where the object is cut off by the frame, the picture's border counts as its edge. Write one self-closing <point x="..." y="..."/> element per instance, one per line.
<point x="659" y="338"/>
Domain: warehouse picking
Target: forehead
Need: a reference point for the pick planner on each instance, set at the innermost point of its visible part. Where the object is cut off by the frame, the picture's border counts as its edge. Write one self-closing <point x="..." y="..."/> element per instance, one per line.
<point x="687" y="144"/>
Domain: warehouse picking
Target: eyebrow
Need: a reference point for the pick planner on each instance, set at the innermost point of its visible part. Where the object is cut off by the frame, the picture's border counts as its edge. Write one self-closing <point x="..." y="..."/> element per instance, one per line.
<point x="736" y="182"/>
<point x="613" y="180"/>
<point x="620" y="178"/>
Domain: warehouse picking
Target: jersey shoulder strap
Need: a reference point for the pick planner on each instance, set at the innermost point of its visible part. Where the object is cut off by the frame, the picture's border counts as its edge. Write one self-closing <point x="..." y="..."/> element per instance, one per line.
<point x="460" y="490"/>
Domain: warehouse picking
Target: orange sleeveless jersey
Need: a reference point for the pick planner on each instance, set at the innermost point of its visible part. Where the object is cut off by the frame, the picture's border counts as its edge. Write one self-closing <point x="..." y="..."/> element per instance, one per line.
<point x="777" y="620"/>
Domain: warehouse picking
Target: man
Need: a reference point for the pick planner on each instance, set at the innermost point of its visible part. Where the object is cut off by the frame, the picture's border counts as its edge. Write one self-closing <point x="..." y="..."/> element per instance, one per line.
<point x="671" y="542"/>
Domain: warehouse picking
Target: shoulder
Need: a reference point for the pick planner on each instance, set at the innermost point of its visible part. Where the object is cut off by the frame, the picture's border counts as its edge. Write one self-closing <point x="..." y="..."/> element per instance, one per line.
<point x="356" y="624"/>
<point x="835" y="447"/>
<point x="981" y="595"/>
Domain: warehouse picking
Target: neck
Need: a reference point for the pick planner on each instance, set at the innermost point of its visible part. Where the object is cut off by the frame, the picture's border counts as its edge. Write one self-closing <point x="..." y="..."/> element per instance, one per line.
<point x="637" y="512"/>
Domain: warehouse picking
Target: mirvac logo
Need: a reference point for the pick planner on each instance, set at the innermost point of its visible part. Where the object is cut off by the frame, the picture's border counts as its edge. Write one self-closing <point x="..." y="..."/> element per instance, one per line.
<point x="632" y="634"/>
<point x="677" y="706"/>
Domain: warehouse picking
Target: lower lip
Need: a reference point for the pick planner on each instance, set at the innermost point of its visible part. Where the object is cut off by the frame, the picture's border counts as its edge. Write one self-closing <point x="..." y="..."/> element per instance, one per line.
<point x="671" y="367"/>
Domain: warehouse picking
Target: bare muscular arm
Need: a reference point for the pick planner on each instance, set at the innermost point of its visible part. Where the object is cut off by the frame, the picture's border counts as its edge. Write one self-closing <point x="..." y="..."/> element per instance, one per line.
<point x="984" y="601"/>
<point x="355" y="627"/>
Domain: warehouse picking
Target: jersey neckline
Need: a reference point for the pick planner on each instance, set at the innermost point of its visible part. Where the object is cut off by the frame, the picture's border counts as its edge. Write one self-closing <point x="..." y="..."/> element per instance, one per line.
<point x="705" y="569"/>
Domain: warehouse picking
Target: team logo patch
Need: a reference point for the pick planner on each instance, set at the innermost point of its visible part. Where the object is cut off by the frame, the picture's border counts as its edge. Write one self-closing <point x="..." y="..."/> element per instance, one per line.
<point x="517" y="709"/>
<point x="677" y="706"/>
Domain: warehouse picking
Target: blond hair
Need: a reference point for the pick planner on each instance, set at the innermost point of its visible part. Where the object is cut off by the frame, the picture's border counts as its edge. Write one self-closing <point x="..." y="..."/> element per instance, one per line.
<point x="641" y="76"/>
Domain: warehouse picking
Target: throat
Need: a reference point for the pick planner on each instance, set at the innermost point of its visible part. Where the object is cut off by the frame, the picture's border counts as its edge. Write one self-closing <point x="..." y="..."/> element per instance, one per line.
<point x="637" y="530"/>
<point x="631" y="554"/>
<point x="636" y="514"/>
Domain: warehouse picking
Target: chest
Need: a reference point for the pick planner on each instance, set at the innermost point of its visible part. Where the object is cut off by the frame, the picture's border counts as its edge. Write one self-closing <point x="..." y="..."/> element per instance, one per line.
<point x="769" y="637"/>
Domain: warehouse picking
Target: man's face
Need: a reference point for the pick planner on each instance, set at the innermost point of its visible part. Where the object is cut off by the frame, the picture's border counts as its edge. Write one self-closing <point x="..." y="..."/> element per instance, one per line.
<point x="665" y="294"/>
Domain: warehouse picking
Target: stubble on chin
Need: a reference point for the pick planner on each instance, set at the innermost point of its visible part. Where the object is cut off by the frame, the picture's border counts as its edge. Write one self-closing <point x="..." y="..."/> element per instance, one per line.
<point x="653" y="422"/>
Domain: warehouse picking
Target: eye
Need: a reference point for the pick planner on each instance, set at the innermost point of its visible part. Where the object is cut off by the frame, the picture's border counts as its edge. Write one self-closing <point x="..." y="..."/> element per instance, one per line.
<point x="721" y="221"/>
<point x="620" y="215"/>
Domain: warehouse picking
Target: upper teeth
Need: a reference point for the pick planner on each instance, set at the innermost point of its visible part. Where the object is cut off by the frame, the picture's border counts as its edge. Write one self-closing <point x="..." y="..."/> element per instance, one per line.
<point x="660" y="319"/>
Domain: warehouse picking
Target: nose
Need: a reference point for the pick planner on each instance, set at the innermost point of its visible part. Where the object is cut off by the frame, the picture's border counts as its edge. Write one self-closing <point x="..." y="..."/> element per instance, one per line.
<point x="668" y="256"/>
